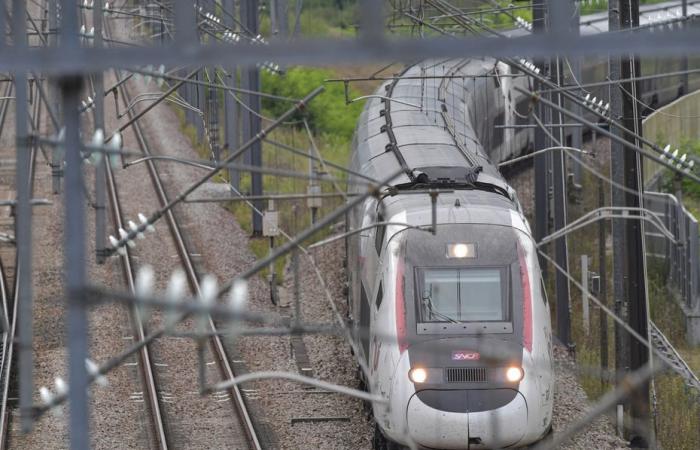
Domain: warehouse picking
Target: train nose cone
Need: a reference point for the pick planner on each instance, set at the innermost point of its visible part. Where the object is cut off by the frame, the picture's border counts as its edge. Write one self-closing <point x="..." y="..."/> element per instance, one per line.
<point x="434" y="428"/>
<point x="501" y="427"/>
<point x="447" y="428"/>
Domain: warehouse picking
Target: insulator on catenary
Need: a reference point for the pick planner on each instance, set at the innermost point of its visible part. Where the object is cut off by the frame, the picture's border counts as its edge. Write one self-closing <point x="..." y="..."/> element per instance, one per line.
<point x="238" y="296"/>
<point x="161" y="71"/>
<point x="94" y="371"/>
<point x="125" y="237"/>
<point x="174" y="295"/>
<point x="208" y="291"/>
<point x="144" y="282"/>
<point x="61" y="386"/>
<point x="115" y="243"/>
<point x="45" y="395"/>
<point x="135" y="229"/>
<point x="144" y="221"/>
<point x="144" y="289"/>
<point x="114" y="146"/>
<point x="98" y="140"/>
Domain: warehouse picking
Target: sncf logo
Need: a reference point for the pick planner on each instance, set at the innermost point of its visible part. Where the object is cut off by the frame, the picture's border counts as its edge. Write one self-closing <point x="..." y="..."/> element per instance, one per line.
<point x="465" y="356"/>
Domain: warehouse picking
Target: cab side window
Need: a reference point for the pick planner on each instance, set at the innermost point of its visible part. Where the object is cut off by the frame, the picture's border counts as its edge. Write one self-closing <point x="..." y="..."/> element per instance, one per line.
<point x="364" y="320"/>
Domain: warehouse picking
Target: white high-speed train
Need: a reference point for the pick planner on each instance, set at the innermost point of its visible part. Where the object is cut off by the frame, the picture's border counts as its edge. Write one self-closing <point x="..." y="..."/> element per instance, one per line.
<point x="455" y="325"/>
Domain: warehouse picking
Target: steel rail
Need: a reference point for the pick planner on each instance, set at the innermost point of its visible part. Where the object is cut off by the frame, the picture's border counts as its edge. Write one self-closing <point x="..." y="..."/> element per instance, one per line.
<point x="147" y="371"/>
<point x="6" y="362"/>
<point x="237" y="399"/>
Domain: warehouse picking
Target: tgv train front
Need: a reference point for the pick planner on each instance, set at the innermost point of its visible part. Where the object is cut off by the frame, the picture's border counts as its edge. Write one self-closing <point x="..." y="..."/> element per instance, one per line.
<point x="471" y="367"/>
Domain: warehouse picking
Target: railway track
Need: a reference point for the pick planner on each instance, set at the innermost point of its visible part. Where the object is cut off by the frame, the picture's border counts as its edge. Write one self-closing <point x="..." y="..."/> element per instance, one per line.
<point x="10" y="303"/>
<point x="147" y="370"/>
<point x="184" y="253"/>
<point x="238" y="402"/>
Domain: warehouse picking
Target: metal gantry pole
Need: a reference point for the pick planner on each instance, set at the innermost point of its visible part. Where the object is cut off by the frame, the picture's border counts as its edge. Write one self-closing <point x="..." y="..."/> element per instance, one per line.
<point x="636" y="274"/>
<point x="282" y="14"/>
<point x="542" y="160"/>
<point x="56" y="152"/>
<point x="559" y="25"/>
<point x="200" y="92"/>
<point x="186" y="36"/>
<point x="574" y="65"/>
<point x="214" y="121"/>
<point x="100" y="169"/>
<point x="3" y="27"/>
<point x="617" y="174"/>
<point x="23" y="224"/>
<point x="629" y="263"/>
<point x="75" y="263"/>
<point x="200" y="104"/>
<point x="232" y="111"/>
<point x="251" y="118"/>
<point x="603" y="271"/>
<point x="684" y="58"/>
<point x="74" y="252"/>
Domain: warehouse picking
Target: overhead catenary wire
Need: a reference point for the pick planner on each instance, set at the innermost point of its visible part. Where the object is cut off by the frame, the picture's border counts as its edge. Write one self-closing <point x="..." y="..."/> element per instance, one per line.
<point x="642" y="152"/>
<point x="180" y="197"/>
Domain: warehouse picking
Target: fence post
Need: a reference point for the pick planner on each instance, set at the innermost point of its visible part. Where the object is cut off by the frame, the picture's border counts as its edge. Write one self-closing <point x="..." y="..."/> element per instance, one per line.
<point x="584" y="295"/>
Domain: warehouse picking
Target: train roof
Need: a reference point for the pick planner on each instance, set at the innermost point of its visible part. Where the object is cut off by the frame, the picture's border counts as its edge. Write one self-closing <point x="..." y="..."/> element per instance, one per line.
<point x="423" y="127"/>
<point x="459" y="206"/>
<point x="420" y="124"/>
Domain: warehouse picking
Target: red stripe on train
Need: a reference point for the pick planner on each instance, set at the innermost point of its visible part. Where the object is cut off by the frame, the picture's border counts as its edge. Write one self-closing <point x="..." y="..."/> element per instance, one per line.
<point x="400" y="307"/>
<point x="527" y="301"/>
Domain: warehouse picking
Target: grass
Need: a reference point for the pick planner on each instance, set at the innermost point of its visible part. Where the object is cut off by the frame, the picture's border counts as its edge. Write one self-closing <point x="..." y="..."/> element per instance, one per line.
<point x="332" y="123"/>
<point x="320" y="18"/>
<point x="677" y="407"/>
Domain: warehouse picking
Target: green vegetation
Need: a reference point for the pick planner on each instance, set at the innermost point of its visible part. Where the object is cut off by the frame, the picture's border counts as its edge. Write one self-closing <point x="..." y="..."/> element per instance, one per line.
<point x="320" y="18"/>
<point x="691" y="189"/>
<point x="677" y="407"/>
<point x="327" y="114"/>
<point x="332" y="123"/>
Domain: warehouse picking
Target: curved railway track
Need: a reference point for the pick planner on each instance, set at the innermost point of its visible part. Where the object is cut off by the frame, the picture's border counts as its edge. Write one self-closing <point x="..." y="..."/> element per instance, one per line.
<point x="235" y="395"/>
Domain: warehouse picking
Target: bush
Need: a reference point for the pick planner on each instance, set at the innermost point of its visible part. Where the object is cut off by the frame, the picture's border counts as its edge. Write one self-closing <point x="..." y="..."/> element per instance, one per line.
<point x="327" y="113"/>
<point x="690" y="188"/>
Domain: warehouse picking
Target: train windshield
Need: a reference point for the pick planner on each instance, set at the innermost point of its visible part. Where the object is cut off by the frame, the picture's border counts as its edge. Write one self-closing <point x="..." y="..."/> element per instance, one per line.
<point x="462" y="295"/>
<point x="465" y="279"/>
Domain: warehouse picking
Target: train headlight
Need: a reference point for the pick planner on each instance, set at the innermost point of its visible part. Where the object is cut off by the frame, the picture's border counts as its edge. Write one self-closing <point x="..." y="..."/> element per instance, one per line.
<point x="461" y="250"/>
<point x="418" y="375"/>
<point x="514" y="374"/>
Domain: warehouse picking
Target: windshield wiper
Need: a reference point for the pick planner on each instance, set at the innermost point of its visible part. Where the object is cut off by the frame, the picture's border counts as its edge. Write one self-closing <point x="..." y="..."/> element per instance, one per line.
<point x="428" y="301"/>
